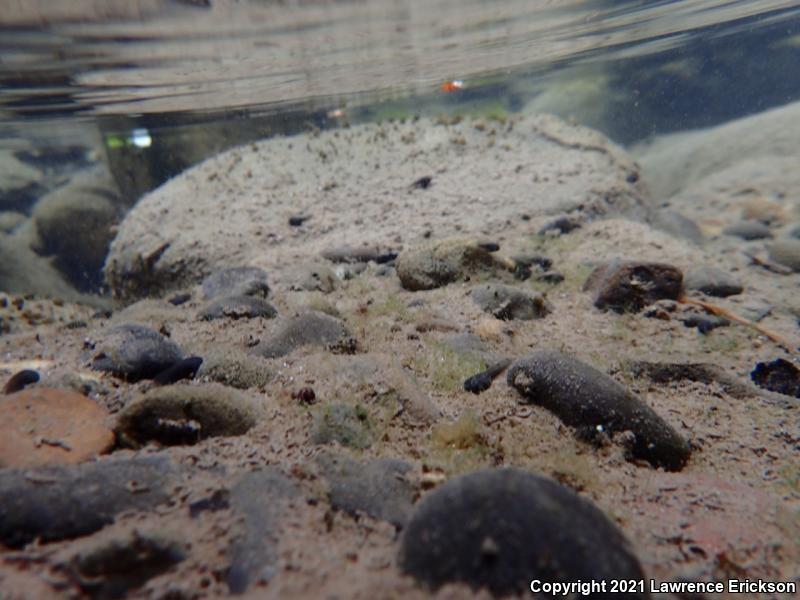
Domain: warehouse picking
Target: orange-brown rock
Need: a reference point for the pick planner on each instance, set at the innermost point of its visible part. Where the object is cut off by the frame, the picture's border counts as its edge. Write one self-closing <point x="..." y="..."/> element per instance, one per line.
<point x="49" y="426"/>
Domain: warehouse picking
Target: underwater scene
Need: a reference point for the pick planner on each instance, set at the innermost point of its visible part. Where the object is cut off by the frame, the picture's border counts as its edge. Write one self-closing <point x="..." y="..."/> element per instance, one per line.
<point x="333" y="299"/>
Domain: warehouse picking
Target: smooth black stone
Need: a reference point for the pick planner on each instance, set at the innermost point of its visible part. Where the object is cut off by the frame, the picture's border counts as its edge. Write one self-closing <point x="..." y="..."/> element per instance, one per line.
<point x="65" y="502"/>
<point x="19" y="380"/>
<point x="501" y="528"/>
<point x="583" y="397"/>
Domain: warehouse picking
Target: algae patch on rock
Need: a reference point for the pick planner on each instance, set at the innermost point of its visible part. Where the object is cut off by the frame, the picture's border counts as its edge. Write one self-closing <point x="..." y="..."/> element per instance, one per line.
<point x="186" y="414"/>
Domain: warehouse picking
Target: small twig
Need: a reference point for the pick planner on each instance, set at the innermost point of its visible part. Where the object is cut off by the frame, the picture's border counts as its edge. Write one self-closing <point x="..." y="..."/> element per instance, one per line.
<point x="731" y="316"/>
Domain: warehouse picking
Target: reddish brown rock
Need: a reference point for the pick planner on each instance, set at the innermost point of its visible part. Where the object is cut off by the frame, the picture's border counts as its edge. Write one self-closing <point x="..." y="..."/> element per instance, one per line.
<point x="629" y="286"/>
<point x="48" y="426"/>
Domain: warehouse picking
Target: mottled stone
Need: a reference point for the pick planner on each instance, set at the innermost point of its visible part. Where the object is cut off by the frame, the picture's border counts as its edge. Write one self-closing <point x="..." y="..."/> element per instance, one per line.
<point x="238" y="307"/>
<point x="505" y="302"/>
<point x="344" y="424"/>
<point x="308" y="329"/>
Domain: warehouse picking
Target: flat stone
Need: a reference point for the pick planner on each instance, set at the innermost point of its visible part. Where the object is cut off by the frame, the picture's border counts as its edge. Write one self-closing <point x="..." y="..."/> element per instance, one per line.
<point x="63" y="502"/>
<point x="236" y="369"/>
<point x="583" y="397"/>
<point x="185" y="414"/>
<point x="499" y="529"/>
<point x="780" y="376"/>
<point x="308" y="329"/>
<point x="505" y="302"/>
<point x="748" y="230"/>
<point x="630" y="286"/>
<point x="134" y="352"/>
<point x="48" y="426"/>
<point x="313" y="278"/>
<point x="236" y="281"/>
<point x="435" y="264"/>
<point x="678" y="225"/>
<point x="260" y="498"/>
<point x="712" y="281"/>
<point x="786" y="253"/>
<point x="379" y="488"/>
<point x="238" y="307"/>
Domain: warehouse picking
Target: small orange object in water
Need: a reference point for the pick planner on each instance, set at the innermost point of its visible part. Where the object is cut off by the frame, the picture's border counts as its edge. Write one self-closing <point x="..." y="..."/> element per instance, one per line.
<point x="452" y="86"/>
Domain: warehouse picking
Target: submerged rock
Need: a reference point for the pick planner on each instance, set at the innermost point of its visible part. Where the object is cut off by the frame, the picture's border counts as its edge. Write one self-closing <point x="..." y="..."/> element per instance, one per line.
<point x="260" y="499"/>
<point x="748" y="230"/>
<point x="583" y="397"/>
<point x="236" y="281"/>
<point x="308" y="329"/>
<point x="238" y="307"/>
<point x="778" y="376"/>
<point x="627" y="286"/>
<point x="134" y="352"/>
<point x="501" y="528"/>
<point x="47" y="426"/>
<point x="110" y="568"/>
<point x="786" y="253"/>
<point x="713" y="281"/>
<point x="186" y="414"/>
<point x="505" y="302"/>
<point x="378" y="488"/>
<point x="435" y="264"/>
<point x="343" y="424"/>
<point x="63" y="502"/>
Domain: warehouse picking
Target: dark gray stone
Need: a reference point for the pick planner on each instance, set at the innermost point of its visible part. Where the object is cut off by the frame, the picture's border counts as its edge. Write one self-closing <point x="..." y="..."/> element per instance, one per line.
<point x="113" y="567"/>
<point x="379" y="488"/>
<point x="260" y="499"/>
<point x="308" y="329"/>
<point x="506" y="302"/>
<point x="134" y="352"/>
<point x="501" y="528"/>
<point x="64" y="502"/>
<point x="627" y="286"/>
<point x="713" y="281"/>
<point x="236" y="281"/>
<point x="238" y="307"/>
<point x="583" y="397"/>
<point x="748" y="230"/>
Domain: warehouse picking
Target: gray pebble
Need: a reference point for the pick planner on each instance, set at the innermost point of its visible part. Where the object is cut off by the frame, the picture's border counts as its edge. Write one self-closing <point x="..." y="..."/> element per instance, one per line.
<point x="583" y="397"/>
<point x="236" y="281"/>
<point x="260" y="498"/>
<point x="64" y="502"/>
<point x="351" y="254"/>
<point x="379" y="488"/>
<point x="111" y="567"/>
<point x="501" y="528"/>
<point x="436" y="264"/>
<point x="134" y="352"/>
<point x="308" y="329"/>
<point x="238" y="307"/>
<point x="748" y="230"/>
<point x="506" y="302"/>
<point x="313" y="278"/>
<point x="713" y="281"/>
<point x="786" y="253"/>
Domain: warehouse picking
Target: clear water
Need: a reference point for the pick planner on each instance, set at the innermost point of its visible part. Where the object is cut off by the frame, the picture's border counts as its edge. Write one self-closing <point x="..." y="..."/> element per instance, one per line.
<point x="145" y="89"/>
